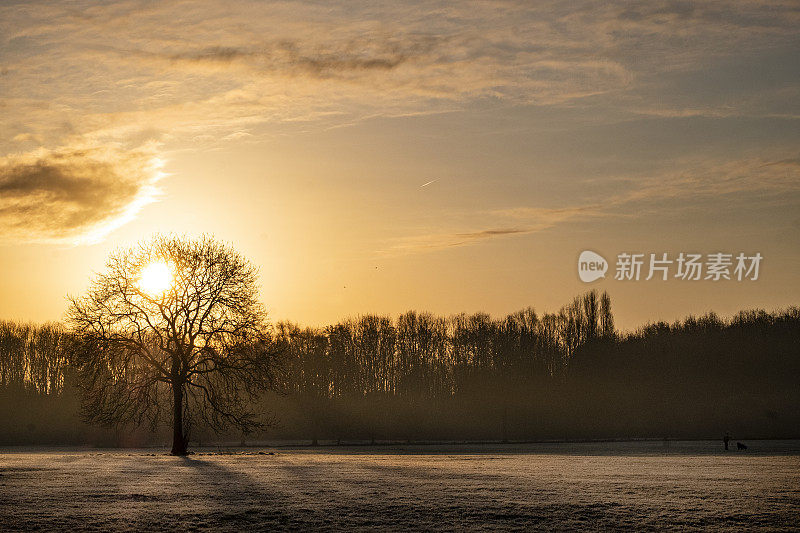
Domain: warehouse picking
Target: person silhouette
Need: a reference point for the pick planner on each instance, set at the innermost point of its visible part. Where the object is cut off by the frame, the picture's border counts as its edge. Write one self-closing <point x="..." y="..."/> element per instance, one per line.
<point x="726" y="439"/>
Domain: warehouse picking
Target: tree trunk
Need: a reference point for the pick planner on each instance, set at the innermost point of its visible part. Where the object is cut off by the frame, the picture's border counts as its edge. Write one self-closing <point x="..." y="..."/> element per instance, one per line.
<point x="504" y="426"/>
<point x="178" y="440"/>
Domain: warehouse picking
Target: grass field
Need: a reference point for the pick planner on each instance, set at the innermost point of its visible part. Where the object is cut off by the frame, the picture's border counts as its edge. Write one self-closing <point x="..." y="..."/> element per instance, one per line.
<point x="447" y="487"/>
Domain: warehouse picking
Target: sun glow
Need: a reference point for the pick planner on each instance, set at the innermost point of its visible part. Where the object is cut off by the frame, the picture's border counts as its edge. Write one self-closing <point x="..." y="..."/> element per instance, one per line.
<point x="155" y="278"/>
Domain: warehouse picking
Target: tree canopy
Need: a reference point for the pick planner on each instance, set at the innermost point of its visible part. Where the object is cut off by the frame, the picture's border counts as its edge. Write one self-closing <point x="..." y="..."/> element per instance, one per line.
<point x="173" y="329"/>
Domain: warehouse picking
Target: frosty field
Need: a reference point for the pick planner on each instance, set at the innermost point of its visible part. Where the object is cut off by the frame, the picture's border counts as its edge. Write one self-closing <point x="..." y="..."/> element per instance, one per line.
<point x="645" y="485"/>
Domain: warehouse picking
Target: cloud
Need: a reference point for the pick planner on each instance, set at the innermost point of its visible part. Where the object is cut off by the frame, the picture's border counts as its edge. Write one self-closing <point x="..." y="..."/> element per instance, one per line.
<point x="706" y="186"/>
<point x="116" y="68"/>
<point x="529" y="220"/>
<point x="289" y="57"/>
<point x="488" y="233"/>
<point x="125" y="73"/>
<point x="746" y="181"/>
<point x="789" y="162"/>
<point x="73" y="195"/>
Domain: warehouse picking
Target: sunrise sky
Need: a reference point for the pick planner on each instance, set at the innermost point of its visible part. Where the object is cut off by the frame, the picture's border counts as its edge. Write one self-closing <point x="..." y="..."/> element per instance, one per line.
<point x="383" y="156"/>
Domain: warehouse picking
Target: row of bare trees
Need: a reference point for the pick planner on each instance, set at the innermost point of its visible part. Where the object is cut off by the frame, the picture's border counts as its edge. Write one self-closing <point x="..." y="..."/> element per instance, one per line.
<point x="701" y="376"/>
<point x="420" y="376"/>
<point x="33" y="357"/>
<point x="419" y="353"/>
<point x="424" y="355"/>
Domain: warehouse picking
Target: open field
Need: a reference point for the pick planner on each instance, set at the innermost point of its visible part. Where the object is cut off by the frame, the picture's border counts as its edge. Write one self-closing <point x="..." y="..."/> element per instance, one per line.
<point x="451" y="487"/>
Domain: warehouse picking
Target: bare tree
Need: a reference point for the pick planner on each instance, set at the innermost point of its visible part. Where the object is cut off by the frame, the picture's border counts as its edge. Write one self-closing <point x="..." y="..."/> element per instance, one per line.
<point x="174" y="322"/>
<point x="606" y="317"/>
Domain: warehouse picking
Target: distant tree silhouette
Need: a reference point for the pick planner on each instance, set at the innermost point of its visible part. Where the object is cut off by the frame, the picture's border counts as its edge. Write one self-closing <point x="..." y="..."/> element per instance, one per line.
<point x="527" y="376"/>
<point x="200" y="348"/>
<point x="33" y="357"/>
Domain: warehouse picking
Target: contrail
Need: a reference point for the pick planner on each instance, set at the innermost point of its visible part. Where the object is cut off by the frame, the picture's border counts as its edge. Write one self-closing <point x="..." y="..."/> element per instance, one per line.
<point x="426" y="184"/>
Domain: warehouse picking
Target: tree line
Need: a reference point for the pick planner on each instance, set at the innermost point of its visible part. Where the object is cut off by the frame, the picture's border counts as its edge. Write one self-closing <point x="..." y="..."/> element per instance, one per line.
<point x="429" y="356"/>
<point x="33" y="357"/>
<point x="567" y="374"/>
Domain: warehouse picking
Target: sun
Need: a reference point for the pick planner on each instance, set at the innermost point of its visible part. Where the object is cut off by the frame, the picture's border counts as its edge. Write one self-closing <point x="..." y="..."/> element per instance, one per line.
<point x="155" y="278"/>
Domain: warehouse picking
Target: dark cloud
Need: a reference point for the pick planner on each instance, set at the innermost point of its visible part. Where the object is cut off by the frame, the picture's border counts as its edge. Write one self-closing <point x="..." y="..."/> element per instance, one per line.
<point x="70" y="193"/>
<point x="714" y="15"/>
<point x="485" y="234"/>
<point x="222" y="54"/>
<point x="295" y="56"/>
<point x="792" y="162"/>
<point x="643" y="11"/>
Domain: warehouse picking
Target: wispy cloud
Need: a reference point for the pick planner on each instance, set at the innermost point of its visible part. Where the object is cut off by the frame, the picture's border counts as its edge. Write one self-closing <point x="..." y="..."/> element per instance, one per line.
<point x="216" y="70"/>
<point x="748" y="182"/>
<point x="526" y="220"/>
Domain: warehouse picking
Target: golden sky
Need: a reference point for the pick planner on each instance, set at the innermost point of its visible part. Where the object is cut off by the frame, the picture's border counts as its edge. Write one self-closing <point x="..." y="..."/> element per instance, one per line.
<point x="385" y="156"/>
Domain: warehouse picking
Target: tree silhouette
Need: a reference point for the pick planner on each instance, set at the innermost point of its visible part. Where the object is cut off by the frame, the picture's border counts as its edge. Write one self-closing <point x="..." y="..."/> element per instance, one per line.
<point x="524" y="376"/>
<point x="200" y="344"/>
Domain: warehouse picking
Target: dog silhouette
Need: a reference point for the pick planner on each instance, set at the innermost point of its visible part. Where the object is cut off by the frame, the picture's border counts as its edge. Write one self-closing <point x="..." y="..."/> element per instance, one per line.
<point x="740" y="446"/>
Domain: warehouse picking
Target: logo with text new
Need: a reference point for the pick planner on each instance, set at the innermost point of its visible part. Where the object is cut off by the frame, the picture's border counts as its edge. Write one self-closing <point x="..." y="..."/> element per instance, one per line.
<point x="591" y="266"/>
